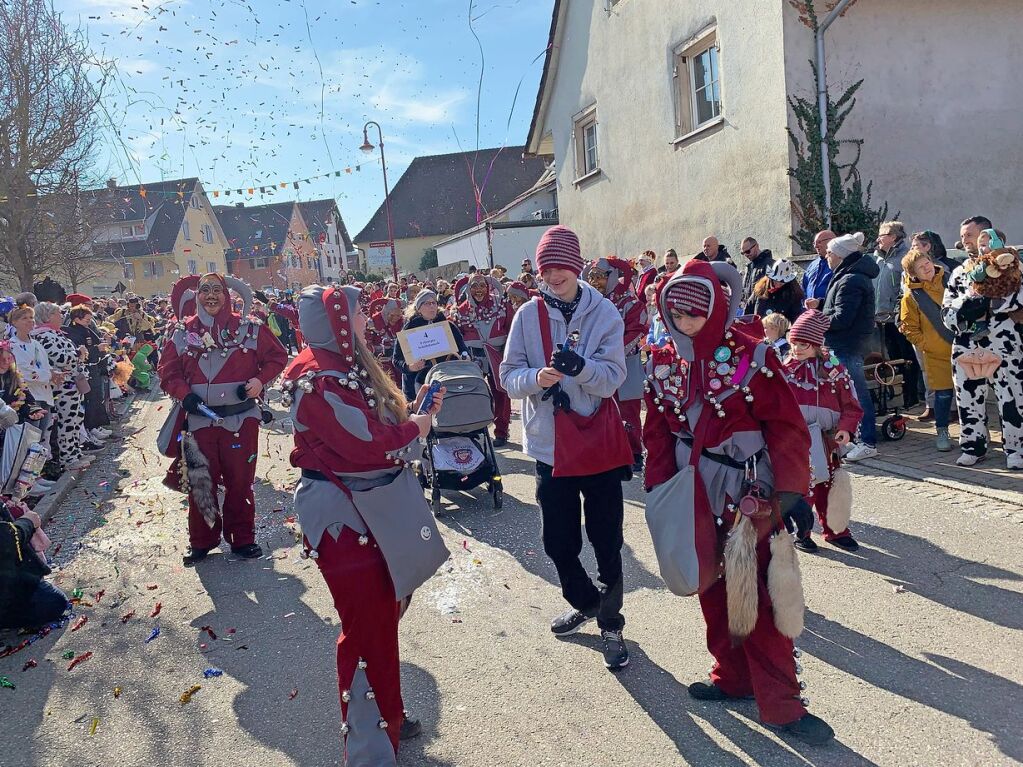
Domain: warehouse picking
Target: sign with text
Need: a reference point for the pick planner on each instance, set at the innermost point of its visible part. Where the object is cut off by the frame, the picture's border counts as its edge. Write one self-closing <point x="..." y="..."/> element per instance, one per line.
<point x="428" y="342"/>
<point x="378" y="255"/>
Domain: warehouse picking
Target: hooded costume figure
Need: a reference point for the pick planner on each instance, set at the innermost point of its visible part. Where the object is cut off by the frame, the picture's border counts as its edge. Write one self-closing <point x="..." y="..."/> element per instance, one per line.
<point x="485" y="325"/>
<point x="382" y="336"/>
<point x="725" y="390"/>
<point x="632" y="309"/>
<point x="339" y="428"/>
<point x="207" y="361"/>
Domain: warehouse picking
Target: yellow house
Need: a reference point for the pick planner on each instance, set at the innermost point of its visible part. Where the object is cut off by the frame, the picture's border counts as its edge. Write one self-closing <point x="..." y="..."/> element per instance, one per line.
<point x="152" y="234"/>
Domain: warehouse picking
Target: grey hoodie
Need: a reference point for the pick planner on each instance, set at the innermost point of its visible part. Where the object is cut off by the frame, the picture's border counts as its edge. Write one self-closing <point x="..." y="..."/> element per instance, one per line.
<point x="888" y="284"/>
<point x="601" y="331"/>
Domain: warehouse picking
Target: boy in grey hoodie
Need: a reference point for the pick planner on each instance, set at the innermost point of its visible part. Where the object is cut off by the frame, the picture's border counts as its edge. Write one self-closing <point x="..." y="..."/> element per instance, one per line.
<point x="590" y="373"/>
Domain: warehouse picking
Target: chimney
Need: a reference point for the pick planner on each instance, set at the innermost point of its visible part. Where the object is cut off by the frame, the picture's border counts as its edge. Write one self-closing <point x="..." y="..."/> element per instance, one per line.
<point x="111" y="183"/>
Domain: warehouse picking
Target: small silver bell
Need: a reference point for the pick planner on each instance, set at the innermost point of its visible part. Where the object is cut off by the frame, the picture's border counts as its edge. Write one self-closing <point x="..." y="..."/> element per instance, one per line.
<point x="799" y="668"/>
<point x="797" y="653"/>
<point x="382" y="724"/>
<point x="802" y="685"/>
<point x="344" y="728"/>
<point x="805" y="701"/>
<point x="370" y="695"/>
<point x="314" y="554"/>
<point x="362" y="664"/>
<point x="346" y="696"/>
<point x="363" y="540"/>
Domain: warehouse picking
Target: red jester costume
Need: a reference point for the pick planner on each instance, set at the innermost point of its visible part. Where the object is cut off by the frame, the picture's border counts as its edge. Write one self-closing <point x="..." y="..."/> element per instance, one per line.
<point x="722" y="420"/>
<point x="484" y="319"/>
<point x="217" y="359"/>
<point x="385" y="322"/>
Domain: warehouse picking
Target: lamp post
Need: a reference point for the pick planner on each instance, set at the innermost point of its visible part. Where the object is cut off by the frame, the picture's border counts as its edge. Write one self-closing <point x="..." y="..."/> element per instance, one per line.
<point x="368" y="148"/>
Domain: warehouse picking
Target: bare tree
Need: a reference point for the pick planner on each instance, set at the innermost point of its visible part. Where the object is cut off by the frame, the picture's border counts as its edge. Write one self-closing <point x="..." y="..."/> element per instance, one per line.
<point x="50" y="87"/>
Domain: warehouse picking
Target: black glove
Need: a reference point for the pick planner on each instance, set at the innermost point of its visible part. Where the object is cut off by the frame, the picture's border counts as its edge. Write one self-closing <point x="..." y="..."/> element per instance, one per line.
<point x="190" y="404"/>
<point x="240" y="391"/>
<point x="974" y="308"/>
<point x="796" y="513"/>
<point x="561" y="399"/>
<point x="568" y="362"/>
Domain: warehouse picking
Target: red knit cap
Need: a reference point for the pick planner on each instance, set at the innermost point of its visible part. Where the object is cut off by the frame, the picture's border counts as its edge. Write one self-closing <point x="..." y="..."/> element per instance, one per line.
<point x="559" y="249"/>
<point x="810" y="327"/>
<point x="690" y="297"/>
<point x="77" y="299"/>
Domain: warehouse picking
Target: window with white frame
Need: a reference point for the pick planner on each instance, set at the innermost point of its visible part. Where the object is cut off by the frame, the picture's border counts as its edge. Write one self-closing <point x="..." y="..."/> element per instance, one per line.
<point x="585" y="138"/>
<point x="126" y="231"/>
<point x="697" y="77"/>
<point x="207" y="233"/>
<point x="129" y="270"/>
<point x="140" y="229"/>
<point x="193" y="267"/>
<point x="186" y="229"/>
<point x="194" y="201"/>
<point x="211" y="266"/>
<point x="152" y="268"/>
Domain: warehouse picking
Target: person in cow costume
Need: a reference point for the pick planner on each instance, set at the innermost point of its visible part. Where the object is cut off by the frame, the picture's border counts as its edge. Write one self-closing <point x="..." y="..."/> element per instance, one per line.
<point x="726" y="473"/>
<point x="216" y="363"/>
<point x="385" y="322"/>
<point x="484" y="318"/>
<point x="612" y="277"/>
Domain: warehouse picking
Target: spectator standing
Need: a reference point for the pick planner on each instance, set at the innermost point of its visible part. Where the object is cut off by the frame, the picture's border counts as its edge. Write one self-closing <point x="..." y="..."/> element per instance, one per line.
<point x="670" y="262"/>
<point x="424" y="311"/>
<point x="891" y="248"/>
<point x="94" y="352"/>
<point x="817" y="276"/>
<point x="69" y="414"/>
<point x="777" y="292"/>
<point x="758" y="262"/>
<point x="850" y="307"/>
<point x="714" y="251"/>
<point x="920" y="321"/>
<point x="34" y="365"/>
<point x="776" y="326"/>
<point x="929" y="243"/>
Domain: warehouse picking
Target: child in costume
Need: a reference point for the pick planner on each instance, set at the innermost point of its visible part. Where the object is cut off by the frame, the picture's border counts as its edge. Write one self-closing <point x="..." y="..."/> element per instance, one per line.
<point x="824" y="391"/>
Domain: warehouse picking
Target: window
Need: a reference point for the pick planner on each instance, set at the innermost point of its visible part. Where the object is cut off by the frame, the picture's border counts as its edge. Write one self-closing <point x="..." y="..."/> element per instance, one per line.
<point x="194" y="201"/>
<point x="587" y="155"/>
<point x="211" y="266"/>
<point x="193" y="267"/>
<point x="697" y="78"/>
<point x="129" y="271"/>
<point x="186" y="230"/>
<point x="152" y="269"/>
<point x="140" y="230"/>
<point x="207" y="233"/>
<point x="126" y="231"/>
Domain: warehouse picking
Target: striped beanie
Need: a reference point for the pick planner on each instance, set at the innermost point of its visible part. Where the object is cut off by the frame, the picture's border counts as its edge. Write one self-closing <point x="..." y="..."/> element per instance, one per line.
<point x="559" y="249"/>
<point x="517" y="289"/>
<point x="810" y="327"/>
<point x="423" y="296"/>
<point x="688" y="296"/>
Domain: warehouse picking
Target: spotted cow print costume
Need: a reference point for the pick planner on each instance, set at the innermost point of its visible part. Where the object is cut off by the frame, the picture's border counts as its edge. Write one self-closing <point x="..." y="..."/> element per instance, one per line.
<point x="68" y="409"/>
<point x="1003" y="337"/>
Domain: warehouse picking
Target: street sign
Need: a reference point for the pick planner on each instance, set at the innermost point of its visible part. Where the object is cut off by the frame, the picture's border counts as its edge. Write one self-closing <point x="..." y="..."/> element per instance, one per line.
<point x="378" y="256"/>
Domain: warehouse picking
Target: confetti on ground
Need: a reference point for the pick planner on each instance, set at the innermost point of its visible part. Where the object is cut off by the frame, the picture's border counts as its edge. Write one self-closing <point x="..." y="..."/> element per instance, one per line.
<point x="898" y="589"/>
<point x="68" y="654"/>
<point x="117" y="692"/>
<point x="156" y="610"/>
<point x="186" y="696"/>
<point x="95" y="724"/>
<point x="293" y="694"/>
<point x="127" y="616"/>
<point x="212" y="672"/>
<point x="80" y="659"/>
<point x="80" y="622"/>
<point x="28" y="665"/>
<point x="152" y="586"/>
<point x="209" y="630"/>
<point x="99" y="595"/>
<point x="154" y="635"/>
<point x="5" y="682"/>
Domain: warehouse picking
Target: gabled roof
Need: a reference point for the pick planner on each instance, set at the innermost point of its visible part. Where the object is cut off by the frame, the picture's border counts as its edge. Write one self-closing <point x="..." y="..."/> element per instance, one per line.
<point x="435" y="195"/>
<point x="165" y="201"/>
<point x="550" y="65"/>
<point x="317" y="214"/>
<point x="259" y="230"/>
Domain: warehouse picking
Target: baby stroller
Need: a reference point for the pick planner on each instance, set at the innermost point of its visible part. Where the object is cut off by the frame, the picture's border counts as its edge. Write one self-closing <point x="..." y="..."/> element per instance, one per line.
<point x="459" y="453"/>
<point x="885" y="380"/>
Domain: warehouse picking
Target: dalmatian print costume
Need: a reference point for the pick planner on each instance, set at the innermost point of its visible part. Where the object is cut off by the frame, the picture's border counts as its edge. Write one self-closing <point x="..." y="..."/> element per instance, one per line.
<point x="68" y="409"/>
<point x="1005" y="338"/>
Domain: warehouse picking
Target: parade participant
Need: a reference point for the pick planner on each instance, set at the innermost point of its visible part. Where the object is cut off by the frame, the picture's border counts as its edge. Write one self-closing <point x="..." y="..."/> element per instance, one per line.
<point x="726" y="465"/>
<point x="612" y="278"/>
<point x="382" y="333"/>
<point x="353" y="434"/>
<point x="216" y="360"/>
<point x="484" y="318"/>
<point x="424" y="311"/>
<point x="827" y="398"/>
<point x="647" y="273"/>
<point x="573" y="430"/>
<point x="518" y="294"/>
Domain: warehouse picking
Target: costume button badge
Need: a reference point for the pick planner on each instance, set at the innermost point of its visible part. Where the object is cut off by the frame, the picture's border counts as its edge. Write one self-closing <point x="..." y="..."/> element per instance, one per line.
<point x="426" y="533"/>
<point x="715" y="384"/>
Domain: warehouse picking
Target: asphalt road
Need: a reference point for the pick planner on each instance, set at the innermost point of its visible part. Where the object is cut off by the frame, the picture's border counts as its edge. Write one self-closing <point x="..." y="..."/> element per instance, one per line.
<point x="912" y="648"/>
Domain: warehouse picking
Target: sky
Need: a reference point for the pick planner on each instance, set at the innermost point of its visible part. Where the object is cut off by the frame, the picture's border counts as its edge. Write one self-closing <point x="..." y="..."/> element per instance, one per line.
<point x="251" y="93"/>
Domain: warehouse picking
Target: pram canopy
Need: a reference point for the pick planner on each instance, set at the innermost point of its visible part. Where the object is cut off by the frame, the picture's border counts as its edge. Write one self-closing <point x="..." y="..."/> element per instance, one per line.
<point x="468" y="403"/>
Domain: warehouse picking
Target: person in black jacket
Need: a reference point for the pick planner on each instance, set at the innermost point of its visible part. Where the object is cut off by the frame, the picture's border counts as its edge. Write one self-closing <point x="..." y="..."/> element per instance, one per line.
<point x="758" y="262"/>
<point x="424" y="311"/>
<point x="777" y="292"/>
<point x="26" y="600"/>
<point x="850" y="307"/>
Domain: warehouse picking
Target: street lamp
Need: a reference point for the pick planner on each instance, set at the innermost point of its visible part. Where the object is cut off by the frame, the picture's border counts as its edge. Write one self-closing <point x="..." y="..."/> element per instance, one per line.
<point x="368" y="148"/>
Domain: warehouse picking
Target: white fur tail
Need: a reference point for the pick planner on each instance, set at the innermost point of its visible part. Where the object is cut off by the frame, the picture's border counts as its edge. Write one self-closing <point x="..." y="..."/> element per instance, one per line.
<point x="200" y="484"/>
<point x="741" y="580"/>
<point x="840" y="501"/>
<point x="785" y="585"/>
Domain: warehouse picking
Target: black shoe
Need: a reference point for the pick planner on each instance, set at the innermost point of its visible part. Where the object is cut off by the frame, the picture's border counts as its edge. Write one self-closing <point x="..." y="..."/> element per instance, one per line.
<point x="637" y="464"/>
<point x="845" y="542"/>
<point x="570" y="622"/>
<point x="806" y="544"/>
<point x="704" y="691"/>
<point x="410" y="727"/>
<point x="808" y="728"/>
<point x="194" y="555"/>
<point x="500" y="441"/>
<point x="616" y="654"/>
<point x="91" y="447"/>
<point x="248" y="552"/>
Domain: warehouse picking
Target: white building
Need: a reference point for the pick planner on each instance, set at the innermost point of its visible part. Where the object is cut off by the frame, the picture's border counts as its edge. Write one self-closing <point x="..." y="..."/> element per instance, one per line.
<point x="330" y="235"/>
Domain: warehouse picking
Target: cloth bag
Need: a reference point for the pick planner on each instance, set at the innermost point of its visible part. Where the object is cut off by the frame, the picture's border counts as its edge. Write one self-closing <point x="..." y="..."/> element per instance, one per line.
<point x="17" y="441"/>
<point x="82" y="385"/>
<point x="602" y="437"/>
<point x="634" y="377"/>
<point x="820" y="466"/>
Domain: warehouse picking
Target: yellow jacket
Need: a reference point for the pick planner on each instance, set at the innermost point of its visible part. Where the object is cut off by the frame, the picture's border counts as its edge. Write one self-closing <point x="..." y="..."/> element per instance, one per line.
<point x="917" y="327"/>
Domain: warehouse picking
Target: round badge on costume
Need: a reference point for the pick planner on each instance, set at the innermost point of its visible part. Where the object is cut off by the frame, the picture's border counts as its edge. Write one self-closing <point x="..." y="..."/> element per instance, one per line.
<point x="426" y="533"/>
<point x="722" y="354"/>
<point x="723" y="369"/>
<point x="715" y="384"/>
<point x="661" y="372"/>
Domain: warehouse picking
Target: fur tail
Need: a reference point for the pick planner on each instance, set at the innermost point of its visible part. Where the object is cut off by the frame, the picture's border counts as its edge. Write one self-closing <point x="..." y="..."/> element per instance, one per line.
<point x="200" y="483"/>
<point x="840" y="501"/>
<point x="785" y="585"/>
<point x="741" y="580"/>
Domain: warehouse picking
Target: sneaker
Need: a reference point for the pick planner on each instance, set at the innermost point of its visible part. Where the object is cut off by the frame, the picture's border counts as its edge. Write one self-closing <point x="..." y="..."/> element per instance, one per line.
<point x="411" y="727"/>
<point x="808" y="728"/>
<point x="637" y="464"/>
<point x="806" y="544"/>
<point x="943" y="443"/>
<point x="102" y="431"/>
<point x="616" y="654"/>
<point x="82" y="463"/>
<point x="927" y="415"/>
<point x="968" y="460"/>
<point x="194" y="555"/>
<point x="500" y="441"/>
<point x="704" y="691"/>
<point x="91" y="447"/>
<point x="860" y="451"/>
<point x="251" y="551"/>
<point x="99" y="435"/>
<point x="845" y="542"/>
<point x="570" y="622"/>
<point x="1014" y="462"/>
<point x="38" y="491"/>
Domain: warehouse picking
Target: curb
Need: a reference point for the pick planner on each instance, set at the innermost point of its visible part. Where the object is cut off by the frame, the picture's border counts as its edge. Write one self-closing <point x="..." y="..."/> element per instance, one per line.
<point x="1001" y="496"/>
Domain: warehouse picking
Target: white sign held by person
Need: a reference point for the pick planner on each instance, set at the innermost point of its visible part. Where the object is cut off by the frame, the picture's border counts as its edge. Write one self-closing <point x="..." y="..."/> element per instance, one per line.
<point x="428" y="342"/>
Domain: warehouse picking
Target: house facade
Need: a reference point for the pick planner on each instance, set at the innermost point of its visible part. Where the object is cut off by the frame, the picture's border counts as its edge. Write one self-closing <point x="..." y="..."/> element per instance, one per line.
<point x="151" y="234"/>
<point x="269" y="246"/>
<point x="667" y="121"/>
<point x="330" y="237"/>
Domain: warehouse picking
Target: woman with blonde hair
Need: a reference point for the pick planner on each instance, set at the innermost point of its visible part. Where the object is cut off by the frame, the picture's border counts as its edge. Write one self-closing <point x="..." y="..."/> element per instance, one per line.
<point x="69" y="415"/>
<point x="425" y="310"/>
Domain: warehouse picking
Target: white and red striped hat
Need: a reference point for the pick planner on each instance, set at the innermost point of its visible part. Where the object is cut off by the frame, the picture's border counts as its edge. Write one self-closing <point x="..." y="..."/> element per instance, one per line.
<point x="688" y="296"/>
<point x="810" y="327"/>
<point x="559" y="249"/>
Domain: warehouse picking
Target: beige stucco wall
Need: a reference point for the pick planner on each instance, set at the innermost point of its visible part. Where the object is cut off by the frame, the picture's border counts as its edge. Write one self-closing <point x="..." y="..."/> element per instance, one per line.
<point x="940" y="109"/>
<point x="408" y="251"/>
<point x="730" y="181"/>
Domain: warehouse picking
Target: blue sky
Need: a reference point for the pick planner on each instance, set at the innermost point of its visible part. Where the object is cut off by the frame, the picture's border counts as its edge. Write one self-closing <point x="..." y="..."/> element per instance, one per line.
<point x="231" y="90"/>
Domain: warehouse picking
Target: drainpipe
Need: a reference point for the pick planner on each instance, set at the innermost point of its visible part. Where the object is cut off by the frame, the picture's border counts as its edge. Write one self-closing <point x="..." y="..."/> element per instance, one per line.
<point x="822" y="103"/>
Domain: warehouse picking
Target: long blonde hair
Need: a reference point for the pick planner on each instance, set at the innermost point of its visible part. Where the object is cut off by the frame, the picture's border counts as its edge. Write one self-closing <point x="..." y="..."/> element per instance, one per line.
<point x="391" y="402"/>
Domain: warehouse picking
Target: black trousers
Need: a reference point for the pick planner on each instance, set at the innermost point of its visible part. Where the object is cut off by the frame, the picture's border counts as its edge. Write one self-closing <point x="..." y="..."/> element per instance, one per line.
<point x="898" y="347"/>
<point x="562" y="511"/>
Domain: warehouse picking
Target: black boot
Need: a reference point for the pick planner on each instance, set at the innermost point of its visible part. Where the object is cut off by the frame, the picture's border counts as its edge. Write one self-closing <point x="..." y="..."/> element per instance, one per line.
<point x="806" y="544"/>
<point x="637" y="464"/>
<point x="808" y="728"/>
<point x="705" y="691"/>
<point x="250" y="551"/>
<point x="194" y="556"/>
<point x="410" y="727"/>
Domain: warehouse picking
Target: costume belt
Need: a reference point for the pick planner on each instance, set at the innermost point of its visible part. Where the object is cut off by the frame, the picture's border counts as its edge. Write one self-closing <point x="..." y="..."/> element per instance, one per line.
<point x="225" y="410"/>
<point x="724" y="460"/>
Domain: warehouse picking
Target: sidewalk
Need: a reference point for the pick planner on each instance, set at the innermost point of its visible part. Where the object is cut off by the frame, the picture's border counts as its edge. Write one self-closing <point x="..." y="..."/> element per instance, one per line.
<point x="915" y="457"/>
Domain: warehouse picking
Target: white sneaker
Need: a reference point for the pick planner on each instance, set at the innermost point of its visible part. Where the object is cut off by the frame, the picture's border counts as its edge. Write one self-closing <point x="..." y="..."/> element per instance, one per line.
<point x="966" y="459"/>
<point x="861" y="451"/>
<point x="38" y="491"/>
<point x="97" y="435"/>
<point x="1014" y="461"/>
<point x="101" y="432"/>
<point x="83" y="462"/>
